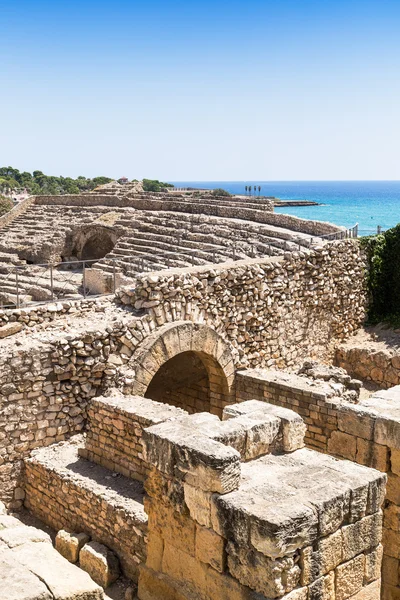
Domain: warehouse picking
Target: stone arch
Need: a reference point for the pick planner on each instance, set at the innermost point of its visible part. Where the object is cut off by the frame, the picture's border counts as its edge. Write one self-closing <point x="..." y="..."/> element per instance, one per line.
<point x="92" y="242"/>
<point x="186" y="364"/>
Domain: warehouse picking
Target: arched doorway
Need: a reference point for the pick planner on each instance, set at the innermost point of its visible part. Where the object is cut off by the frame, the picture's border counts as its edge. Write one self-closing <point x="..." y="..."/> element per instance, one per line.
<point x="97" y="246"/>
<point x="185" y="364"/>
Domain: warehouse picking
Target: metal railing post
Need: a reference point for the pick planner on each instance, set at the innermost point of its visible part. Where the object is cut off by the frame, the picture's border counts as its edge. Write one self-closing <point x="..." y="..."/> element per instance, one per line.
<point x="51" y="282"/>
<point x="114" y="276"/>
<point x="17" y="287"/>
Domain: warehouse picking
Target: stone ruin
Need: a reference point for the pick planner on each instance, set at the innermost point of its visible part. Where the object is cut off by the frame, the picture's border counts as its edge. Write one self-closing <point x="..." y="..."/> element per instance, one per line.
<point x="195" y="436"/>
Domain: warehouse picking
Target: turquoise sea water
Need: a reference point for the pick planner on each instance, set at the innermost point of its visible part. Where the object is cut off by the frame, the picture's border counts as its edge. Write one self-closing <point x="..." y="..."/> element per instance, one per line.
<point x="368" y="203"/>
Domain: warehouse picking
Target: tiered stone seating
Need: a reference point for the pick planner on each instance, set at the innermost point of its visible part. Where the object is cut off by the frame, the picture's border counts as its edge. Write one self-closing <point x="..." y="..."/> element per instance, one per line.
<point x="153" y="231"/>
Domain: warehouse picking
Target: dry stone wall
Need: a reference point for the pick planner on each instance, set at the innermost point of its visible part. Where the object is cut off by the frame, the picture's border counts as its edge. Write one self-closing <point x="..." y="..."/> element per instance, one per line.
<point x="273" y="311"/>
<point x="380" y="367"/>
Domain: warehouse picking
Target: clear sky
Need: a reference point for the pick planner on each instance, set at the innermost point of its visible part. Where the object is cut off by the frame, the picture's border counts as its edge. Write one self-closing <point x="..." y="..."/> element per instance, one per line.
<point x="211" y="90"/>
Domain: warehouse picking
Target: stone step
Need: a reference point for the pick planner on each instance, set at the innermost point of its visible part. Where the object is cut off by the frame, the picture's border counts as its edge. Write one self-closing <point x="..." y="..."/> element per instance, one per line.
<point x="69" y="492"/>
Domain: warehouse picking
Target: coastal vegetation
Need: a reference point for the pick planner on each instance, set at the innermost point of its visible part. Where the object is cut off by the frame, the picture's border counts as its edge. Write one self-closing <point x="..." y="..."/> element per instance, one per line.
<point x="153" y="185"/>
<point x="220" y="192"/>
<point x="383" y="252"/>
<point x="37" y="183"/>
<point x="5" y="205"/>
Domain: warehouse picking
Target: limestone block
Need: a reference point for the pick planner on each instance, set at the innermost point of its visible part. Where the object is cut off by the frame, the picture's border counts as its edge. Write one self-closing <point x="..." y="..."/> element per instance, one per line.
<point x="10" y="329"/>
<point x="178" y="529"/>
<point x="100" y="563"/>
<point x="210" y="548"/>
<point x="372" y="455"/>
<point x="70" y="544"/>
<point x="321" y="558"/>
<point x="206" y="464"/>
<point x="350" y="577"/>
<point x="184" y="568"/>
<point x="342" y="444"/>
<point x="18" y="583"/>
<point x="371" y="592"/>
<point x="155" y="549"/>
<point x="373" y="564"/>
<point x="269" y="577"/>
<point x="323" y="588"/>
<point x="395" y="461"/>
<point x="153" y="586"/>
<point x="199" y="504"/>
<point x="17" y="536"/>
<point x="357" y="421"/>
<point x="390" y="570"/>
<point x="63" y="579"/>
<point x="362" y="535"/>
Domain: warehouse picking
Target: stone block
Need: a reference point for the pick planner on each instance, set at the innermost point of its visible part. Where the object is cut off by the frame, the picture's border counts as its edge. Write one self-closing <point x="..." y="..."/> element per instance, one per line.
<point x="17" y="581"/>
<point x="153" y="586"/>
<point x="342" y="444"/>
<point x="178" y="529"/>
<point x="356" y="421"/>
<point x="199" y="504"/>
<point x="372" y="455"/>
<point x="322" y="588"/>
<point x="10" y="329"/>
<point x="321" y="558"/>
<point x="70" y="544"/>
<point x="373" y="564"/>
<point x="155" y="549"/>
<point x="182" y="567"/>
<point x="350" y="577"/>
<point x="395" y="461"/>
<point x="370" y="592"/>
<point x="390" y="571"/>
<point x="210" y="548"/>
<point x="266" y="576"/>
<point x="100" y="563"/>
<point x="207" y="464"/>
<point x="361" y="536"/>
<point x="63" y="579"/>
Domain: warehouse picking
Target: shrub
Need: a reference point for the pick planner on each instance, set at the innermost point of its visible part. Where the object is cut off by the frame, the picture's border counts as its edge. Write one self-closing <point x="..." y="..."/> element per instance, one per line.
<point x="383" y="253"/>
<point x="220" y="192"/>
<point x="5" y="205"/>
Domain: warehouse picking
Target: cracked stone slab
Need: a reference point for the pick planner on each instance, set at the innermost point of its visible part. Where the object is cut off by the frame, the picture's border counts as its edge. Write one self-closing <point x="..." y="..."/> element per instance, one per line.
<point x="64" y="580"/>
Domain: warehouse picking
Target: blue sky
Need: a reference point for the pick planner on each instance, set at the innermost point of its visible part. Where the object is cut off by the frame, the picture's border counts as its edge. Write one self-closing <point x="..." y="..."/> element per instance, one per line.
<point x="213" y="90"/>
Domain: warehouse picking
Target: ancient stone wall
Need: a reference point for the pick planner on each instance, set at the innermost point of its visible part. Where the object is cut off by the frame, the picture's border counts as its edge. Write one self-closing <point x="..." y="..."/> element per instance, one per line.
<point x="367" y="433"/>
<point x="115" y="430"/>
<point x="83" y="500"/>
<point x="213" y="534"/>
<point x="380" y="367"/>
<point x="273" y="311"/>
<point x="33" y="316"/>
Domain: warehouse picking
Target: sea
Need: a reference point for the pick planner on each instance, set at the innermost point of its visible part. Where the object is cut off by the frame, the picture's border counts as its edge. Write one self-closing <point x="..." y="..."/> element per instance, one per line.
<point x="368" y="203"/>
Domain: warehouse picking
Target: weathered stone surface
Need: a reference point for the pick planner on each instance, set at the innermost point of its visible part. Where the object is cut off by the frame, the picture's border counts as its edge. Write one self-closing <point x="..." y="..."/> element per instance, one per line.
<point x="10" y="329"/>
<point x="64" y="580"/>
<point x="100" y="562"/>
<point x="70" y="544"/>
<point x="19" y="583"/>
<point x="350" y="577"/>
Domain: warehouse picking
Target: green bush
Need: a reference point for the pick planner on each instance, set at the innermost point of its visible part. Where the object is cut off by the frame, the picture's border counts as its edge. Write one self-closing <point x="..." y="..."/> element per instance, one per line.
<point x="220" y="192"/>
<point x="383" y="253"/>
<point x="5" y="205"/>
<point x="153" y="185"/>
